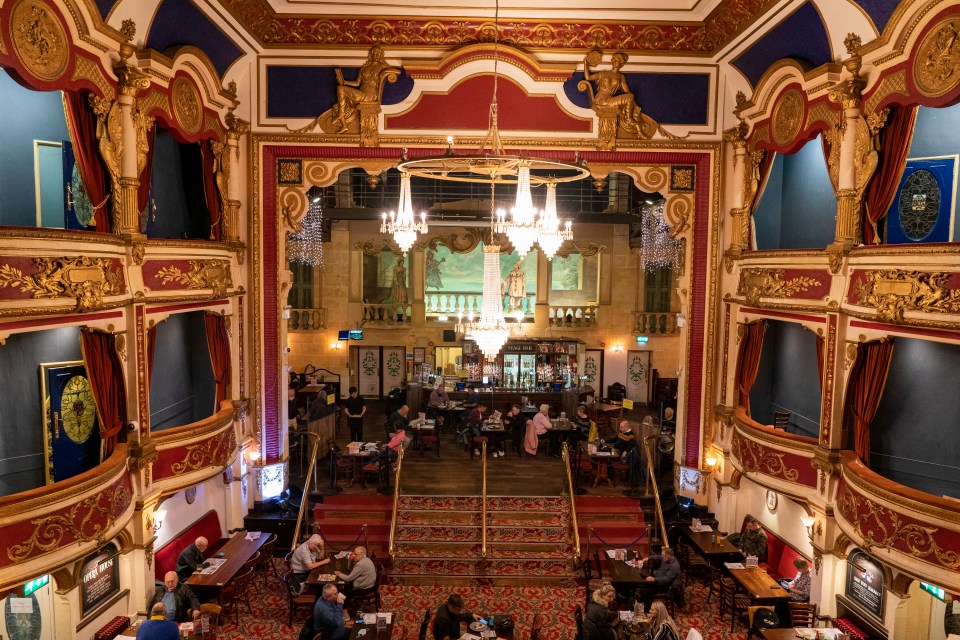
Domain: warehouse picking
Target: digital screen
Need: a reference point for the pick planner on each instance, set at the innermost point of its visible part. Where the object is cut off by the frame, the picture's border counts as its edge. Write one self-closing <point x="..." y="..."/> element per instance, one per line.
<point x="344" y="334"/>
<point x="486" y="379"/>
<point x="356" y="334"/>
<point x="557" y="386"/>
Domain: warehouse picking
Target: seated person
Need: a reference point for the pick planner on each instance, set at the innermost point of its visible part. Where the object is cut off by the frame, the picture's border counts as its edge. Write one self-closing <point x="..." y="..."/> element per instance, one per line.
<point x="363" y="577"/>
<point x="475" y="421"/>
<point x="328" y="614"/>
<point x="530" y="439"/>
<point x="473" y="398"/>
<point x="178" y="599"/>
<point x="601" y="617"/>
<point x="438" y="397"/>
<point x="400" y="419"/>
<point x="541" y="421"/>
<point x="661" y="578"/>
<point x="752" y="542"/>
<point x="446" y="624"/>
<point x="307" y="557"/>
<point x="624" y="442"/>
<point x="799" y="587"/>
<point x="191" y="558"/>
<point x="158" y="627"/>
<point x="582" y="423"/>
<point x="514" y="423"/>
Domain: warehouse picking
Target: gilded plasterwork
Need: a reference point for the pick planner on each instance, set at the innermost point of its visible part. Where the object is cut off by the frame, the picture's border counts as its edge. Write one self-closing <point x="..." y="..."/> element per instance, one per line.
<point x="894" y="84"/>
<point x="936" y="65"/>
<point x="202" y="455"/>
<point x="756" y="283"/>
<point x="88" y="280"/>
<point x="203" y="274"/>
<point x="186" y="104"/>
<point x="86" y="69"/>
<point x="39" y="40"/>
<point x="893" y="292"/>
<point x="788" y="117"/>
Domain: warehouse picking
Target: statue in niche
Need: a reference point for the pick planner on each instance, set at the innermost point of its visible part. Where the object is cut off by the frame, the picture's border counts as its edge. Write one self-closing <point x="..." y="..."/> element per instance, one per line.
<point x="514" y="286"/>
<point x="358" y="101"/>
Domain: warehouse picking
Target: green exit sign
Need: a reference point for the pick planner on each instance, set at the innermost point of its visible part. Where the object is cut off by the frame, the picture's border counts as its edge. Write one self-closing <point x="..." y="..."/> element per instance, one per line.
<point x="643" y="339"/>
<point x="35" y="584"/>
<point x="936" y="592"/>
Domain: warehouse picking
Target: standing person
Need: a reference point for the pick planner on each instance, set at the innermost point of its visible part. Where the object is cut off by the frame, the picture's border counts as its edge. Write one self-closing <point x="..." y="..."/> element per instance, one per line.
<point x="600" y="619"/>
<point x="355" y="407"/>
<point x="446" y="624"/>
<point x="363" y="576"/>
<point x="191" y="558"/>
<point x="179" y="601"/>
<point x="799" y="587"/>
<point x="328" y="614"/>
<point x="158" y="627"/>
<point x="307" y="557"/>
<point x="662" y="626"/>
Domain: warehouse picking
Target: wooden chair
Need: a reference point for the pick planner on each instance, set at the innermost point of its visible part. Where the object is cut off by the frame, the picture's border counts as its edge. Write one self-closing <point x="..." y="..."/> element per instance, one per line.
<point x="235" y="592"/>
<point x="296" y="601"/>
<point x="803" y="614"/>
<point x="693" y="564"/>
<point x="286" y="563"/>
<point x="266" y="557"/>
<point x="716" y="576"/>
<point x="367" y="601"/>
<point x="424" y="625"/>
<point x="578" y="619"/>
<point x="733" y="601"/>
<point x="252" y="564"/>
<point x="781" y="419"/>
<point x="211" y="612"/>
<point x="430" y="441"/>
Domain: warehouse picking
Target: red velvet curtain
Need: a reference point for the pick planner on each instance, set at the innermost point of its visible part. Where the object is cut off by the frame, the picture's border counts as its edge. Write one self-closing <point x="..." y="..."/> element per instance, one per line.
<point x="143" y="190"/>
<point x="748" y="360"/>
<point x="218" y="341"/>
<point x="82" y="125"/>
<point x="821" y="345"/>
<point x="895" y="139"/>
<point x="763" y="176"/>
<point x="210" y="192"/>
<point x="867" y="381"/>
<point x="107" y="383"/>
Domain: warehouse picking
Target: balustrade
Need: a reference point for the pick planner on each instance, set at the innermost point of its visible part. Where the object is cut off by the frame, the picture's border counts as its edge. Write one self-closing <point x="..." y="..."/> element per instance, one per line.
<point x="570" y="316"/>
<point x="386" y="314"/>
<point x="306" y="319"/>
<point x="655" y="323"/>
<point x="455" y="303"/>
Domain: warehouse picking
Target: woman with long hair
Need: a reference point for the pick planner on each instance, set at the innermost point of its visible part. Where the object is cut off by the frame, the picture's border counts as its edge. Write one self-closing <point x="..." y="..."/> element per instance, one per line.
<point x="662" y="626"/>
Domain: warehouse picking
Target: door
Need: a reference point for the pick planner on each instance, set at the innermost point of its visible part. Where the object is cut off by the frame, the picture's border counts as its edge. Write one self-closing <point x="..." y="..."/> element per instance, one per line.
<point x="593" y="369"/>
<point x="394" y="368"/>
<point x="528" y="370"/>
<point x="368" y="371"/>
<point x="638" y="376"/>
<point x="72" y="439"/>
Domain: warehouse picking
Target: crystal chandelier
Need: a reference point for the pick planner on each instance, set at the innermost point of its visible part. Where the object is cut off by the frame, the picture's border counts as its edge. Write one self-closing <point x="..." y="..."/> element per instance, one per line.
<point x="657" y="248"/>
<point x="490" y="332"/>
<point x="521" y="229"/>
<point x="402" y="225"/>
<point x="306" y="245"/>
<point x="550" y="235"/>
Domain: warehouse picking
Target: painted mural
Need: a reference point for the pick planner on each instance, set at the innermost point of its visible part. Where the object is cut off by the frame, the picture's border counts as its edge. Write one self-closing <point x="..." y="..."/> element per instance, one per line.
<point x="453" y="282"/>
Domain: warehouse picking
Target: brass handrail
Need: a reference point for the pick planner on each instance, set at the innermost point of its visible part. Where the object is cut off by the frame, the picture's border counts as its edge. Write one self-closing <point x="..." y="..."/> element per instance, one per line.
<point x="303" y="503"/>
<point x="565" y="454"/>
<point x="652" y="476"/>
<point x="396" y="501"/>
<point x="483" y="503"/>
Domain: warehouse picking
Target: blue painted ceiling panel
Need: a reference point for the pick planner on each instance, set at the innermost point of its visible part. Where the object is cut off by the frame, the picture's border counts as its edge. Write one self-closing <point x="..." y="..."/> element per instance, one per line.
<point x="668" y="98"/>
<point x="179" y="22"/>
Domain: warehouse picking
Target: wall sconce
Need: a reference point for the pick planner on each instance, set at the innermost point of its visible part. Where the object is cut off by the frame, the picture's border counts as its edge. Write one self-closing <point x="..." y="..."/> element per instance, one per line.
<point x="335" y="346"/>
<point x="158" y="517"/>
<point x="617" y="348"/>
<point x="809" y="522"/>
<point x="711" y="460"/>
<point x="253" y="456"/>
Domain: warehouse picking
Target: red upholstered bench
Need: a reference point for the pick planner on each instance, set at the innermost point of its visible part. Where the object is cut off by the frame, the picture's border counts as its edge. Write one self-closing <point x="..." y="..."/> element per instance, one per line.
<point x="780" y="555"/>
<point x="208" y="526"/>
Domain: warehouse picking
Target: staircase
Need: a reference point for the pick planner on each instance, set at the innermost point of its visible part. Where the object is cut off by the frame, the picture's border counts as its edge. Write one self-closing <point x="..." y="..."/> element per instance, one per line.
<point x="340" y="519"/>
<point x="615" y="522"/>
<point x="527" y="538"/>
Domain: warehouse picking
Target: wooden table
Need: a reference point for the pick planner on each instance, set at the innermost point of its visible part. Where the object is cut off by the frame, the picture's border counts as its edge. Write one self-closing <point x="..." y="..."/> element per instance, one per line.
<point x="236" y="552"/>
<point x="709" y="543"/>
<point x="497" y="617"/>
<point x="601" y="459"/>
<point x="619" y="571"/>
<point x="343" y="565"/>
<point x="131" y="632"/>
<point x="791" y="633"/>
<point x="758" y="584"/>
<point x="371" y="632"/>
<point x="418" y="427"/>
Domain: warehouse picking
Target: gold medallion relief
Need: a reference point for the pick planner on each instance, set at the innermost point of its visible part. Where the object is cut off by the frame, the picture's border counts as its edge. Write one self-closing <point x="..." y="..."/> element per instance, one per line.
<point x="39" y="39"/>
<point x="787" y="117"/>
<point x="186" y="104"/>
<point x="936" y="66"/>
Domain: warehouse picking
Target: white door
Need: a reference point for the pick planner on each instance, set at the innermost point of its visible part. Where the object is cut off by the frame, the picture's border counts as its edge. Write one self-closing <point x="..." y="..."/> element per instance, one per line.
<point x="593" y="369"/>
<point x="368" y="365"/>
<point x="394" y="367"/>
<point x="638" y="376"/>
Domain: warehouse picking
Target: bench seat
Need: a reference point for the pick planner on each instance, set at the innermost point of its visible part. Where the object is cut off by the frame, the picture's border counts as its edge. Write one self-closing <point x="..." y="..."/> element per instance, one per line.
<point x="780" y="555"/>
<point x="208" y="526"/>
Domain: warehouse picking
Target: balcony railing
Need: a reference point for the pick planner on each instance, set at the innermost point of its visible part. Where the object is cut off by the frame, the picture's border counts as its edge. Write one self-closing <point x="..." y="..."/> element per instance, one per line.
<point x="658" y="323"/>
<point x="386" y="314"/>
<point x="307" y="319"/>
<point x="573" y="317"/>
<point x="454" y="303"/>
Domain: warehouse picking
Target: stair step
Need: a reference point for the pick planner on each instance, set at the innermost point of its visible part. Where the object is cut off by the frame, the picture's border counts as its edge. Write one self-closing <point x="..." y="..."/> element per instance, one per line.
<point x="467" y="533"/>
<point x="472" y="550"/>
<point x="494" y="518"/>
<point x="472" y="503"/>
<point x="559" y="568"/>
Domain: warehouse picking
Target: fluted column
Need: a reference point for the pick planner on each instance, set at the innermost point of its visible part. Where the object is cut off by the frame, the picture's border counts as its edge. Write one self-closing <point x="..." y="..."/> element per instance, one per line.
<point x="132" y="159"/>
<point x="735" y="137"/>
<point x="230" y="164"/>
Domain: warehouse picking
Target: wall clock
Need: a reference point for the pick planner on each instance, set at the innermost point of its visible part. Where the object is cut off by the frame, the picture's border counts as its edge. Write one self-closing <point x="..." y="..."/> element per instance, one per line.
<point x="771" y="500"/>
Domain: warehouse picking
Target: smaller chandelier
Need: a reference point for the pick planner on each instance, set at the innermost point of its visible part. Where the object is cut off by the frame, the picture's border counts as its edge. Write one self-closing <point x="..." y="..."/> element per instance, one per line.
<point x="402" y="225"/>
<point x="657" y="248"/>
<point x="306" y="245"/>
<point x="521" y="229"/>
<point x="550" y="235"/>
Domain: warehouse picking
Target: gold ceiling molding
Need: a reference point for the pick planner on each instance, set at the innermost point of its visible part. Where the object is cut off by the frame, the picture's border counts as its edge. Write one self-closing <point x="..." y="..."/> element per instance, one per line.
<point x="890" y="85"/>
<point x="756" y="283"/>
<point x="677" y="211"/>
<point x="186" y="104"/>
<point x="88" y="280"/>
<point x="374" y="247"/>
<point x="87" y="69"/>
<point x="936" y="63"/>
<point x="203" y="274"/>
<point x="893" y="292"/>
<point x="39" y="40"/>
<point x="788" y="117"/>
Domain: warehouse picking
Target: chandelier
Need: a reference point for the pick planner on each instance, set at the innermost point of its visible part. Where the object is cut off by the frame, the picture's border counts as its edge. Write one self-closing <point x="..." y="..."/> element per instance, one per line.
<point x="657" y="248"/>
<point x="521" y="230"/>
<point x="306" y="245"/>
<point x="550" y="235"/>
<point x="402" y="225"/>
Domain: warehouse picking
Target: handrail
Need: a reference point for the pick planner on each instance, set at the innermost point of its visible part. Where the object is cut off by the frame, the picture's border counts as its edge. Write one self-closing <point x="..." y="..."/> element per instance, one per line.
<point x="651" y="474"/>
<point x="565" y="455"/>
<point x="483" y="503"/>
<point x="391" y="550"/>
<point x="303" y="503"/>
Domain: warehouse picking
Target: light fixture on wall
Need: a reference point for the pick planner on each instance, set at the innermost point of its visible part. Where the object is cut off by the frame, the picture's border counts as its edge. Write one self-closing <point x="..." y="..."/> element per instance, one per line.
<point x="335" y="346"/>
<point x="617" y="348"/>
<point x="402" y="225"/>
<point x="813" y="525"/>
<point x="711" y="460"/>
<point x="158" y="517"/>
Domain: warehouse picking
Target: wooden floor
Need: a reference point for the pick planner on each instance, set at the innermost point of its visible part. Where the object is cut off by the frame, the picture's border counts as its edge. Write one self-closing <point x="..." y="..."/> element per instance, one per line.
<point x="455" y="473"/>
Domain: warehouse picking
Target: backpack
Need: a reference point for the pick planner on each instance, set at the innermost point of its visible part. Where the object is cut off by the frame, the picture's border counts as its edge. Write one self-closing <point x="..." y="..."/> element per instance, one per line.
<point x="307" y="632"/>
<point x="765" y="619"/>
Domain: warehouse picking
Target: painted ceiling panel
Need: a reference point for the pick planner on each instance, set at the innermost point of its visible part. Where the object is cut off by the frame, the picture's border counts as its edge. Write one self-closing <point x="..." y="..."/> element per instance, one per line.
<point x="879" y="11"/>
<point x="306" y="92"/>
<point x="668" y="98"/>
<point x="104" y="6"/>
<point x="179" y="22"/>
<point x="801" y="37"/>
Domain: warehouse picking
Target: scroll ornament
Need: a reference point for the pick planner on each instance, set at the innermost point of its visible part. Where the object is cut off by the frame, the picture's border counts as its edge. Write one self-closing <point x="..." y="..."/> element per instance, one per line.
<point x="86" y="279"/>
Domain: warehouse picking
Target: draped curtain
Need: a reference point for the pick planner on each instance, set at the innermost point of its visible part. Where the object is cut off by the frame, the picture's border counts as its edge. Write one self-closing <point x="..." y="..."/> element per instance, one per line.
<point x="218" y="341"/>
<point x="748" y="360"/>
<point x="82" y="125"/>
<point x="895" y="140"/>
<point x="107" y="384"/>
<point x="210" y="192"/>
<point x="867" y="381"/>
<point x="143" y="190"/>
<point x="763" y="176"/>
<point x="821" y="345"/>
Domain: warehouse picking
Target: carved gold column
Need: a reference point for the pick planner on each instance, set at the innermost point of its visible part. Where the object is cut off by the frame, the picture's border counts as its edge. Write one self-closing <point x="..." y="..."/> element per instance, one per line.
<point x="739" y="210"/>
<point x="230" y="166"/>
<point x="131" y="148"/>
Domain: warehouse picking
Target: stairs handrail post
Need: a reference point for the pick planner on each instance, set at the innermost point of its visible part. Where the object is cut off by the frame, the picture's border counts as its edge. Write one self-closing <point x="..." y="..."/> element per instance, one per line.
<point x="306" y="486"/>
<point x="565" y="455"/>
<point x="391" y="549"/>
<point x="483" y="502"/>
<point x="658" y="514"/>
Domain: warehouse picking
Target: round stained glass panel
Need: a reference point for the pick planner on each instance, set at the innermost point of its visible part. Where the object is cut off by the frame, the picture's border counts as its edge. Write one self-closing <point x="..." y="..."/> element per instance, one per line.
<point x="919" y="204"/>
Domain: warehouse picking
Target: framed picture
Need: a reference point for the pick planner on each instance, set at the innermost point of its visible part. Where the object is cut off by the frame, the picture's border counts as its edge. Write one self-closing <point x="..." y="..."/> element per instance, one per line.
<point x="72" y="434"/>
<point x="419" y="354"/>
<point x="468" y="348"/>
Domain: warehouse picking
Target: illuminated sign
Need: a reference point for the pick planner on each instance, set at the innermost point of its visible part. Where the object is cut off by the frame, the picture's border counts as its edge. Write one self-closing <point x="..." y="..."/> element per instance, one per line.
<point x="936" y="592"/>
<point x="643" y="339"/>
<point x="44" y="580"/>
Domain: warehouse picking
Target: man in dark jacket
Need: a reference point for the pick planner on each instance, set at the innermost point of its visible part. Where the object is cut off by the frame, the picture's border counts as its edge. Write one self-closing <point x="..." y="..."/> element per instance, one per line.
<point x="180" y="602"/>
<point x="446" y="624"/>
<point x="191" y="558"/>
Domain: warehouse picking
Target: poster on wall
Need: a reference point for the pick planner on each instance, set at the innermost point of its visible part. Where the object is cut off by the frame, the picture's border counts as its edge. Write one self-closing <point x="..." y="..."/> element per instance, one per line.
<point x="100" y="578"/>
<point x="22" y="618"/>
<point x="865" y="583"/>
<point x="922" y="209"/>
